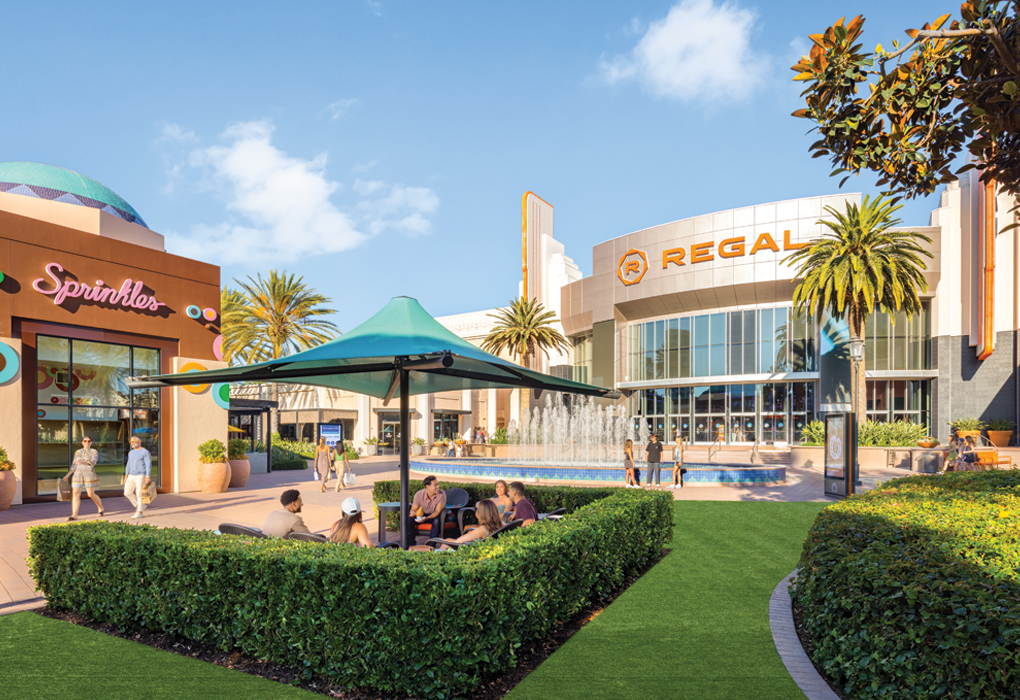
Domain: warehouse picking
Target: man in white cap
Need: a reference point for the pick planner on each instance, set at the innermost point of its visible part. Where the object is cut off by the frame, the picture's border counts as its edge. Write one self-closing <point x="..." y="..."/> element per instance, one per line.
<point x="349" y="529"/>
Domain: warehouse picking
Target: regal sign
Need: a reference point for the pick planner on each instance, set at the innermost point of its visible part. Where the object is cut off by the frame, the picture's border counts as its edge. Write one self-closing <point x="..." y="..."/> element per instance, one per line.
<point x="634" y="263"/>
<point x="129" y="296"/>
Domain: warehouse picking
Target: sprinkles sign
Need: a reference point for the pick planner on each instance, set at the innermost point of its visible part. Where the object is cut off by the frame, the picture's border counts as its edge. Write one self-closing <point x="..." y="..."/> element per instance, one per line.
<point x="129" y="296"/>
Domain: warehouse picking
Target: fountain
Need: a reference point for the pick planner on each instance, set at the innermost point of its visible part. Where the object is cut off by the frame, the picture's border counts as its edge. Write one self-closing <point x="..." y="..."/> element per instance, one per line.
<point x="579" y="439"/>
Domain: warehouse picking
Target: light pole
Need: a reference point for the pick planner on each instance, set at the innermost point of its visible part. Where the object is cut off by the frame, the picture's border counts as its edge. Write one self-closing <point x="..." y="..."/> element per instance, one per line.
<point x="856" y="355"/>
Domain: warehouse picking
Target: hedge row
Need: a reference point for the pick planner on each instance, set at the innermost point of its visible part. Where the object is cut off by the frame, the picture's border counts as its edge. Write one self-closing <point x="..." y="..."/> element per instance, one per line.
<point x="912" y="590"/>
<point x="424" y="624"/>
<point x="545" y="498"/>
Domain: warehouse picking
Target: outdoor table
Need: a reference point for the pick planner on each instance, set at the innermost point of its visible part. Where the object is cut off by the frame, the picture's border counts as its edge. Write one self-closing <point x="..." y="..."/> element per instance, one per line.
<point x="385" y="508"/>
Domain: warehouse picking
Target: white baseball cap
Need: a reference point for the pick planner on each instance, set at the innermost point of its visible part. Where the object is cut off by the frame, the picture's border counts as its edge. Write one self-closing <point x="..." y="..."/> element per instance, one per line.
<point x="351" y="506"/>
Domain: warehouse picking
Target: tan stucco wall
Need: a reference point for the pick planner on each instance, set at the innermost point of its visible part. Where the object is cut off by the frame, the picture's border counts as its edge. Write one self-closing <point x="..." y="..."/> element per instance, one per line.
<point x="197" y="418"/>
<point x="11" y="418"/>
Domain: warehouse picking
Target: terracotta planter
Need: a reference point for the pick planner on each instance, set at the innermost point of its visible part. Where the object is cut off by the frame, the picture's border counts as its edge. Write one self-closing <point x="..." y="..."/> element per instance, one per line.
<point x="928" y="444"/>
<point x="1000" y="438"/>
<point x="976" y="434"/>
<point x="213" y="478"/>
<point x="8" y="485"/>
<point x="240" y="470"/>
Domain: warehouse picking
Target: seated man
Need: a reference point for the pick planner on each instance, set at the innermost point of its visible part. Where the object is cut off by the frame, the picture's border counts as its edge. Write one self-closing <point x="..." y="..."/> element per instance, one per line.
<point x="282" y="522"/>
<point x="523" y="508"/>
<point x="427" y="506"/>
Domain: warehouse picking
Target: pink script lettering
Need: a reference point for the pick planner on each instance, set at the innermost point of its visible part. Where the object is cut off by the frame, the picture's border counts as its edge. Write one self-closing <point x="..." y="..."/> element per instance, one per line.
<point x="128" y="296"/>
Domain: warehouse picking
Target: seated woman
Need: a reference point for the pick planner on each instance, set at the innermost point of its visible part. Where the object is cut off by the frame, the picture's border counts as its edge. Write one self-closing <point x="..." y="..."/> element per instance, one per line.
<point x="350" y="529"/>
<point x="502" y="498"/>
<point x="488" y="523"/>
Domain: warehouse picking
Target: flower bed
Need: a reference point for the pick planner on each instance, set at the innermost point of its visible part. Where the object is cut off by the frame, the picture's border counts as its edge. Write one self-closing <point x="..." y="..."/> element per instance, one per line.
<point x="913" y="590"/>
<point x="425" y="624"/>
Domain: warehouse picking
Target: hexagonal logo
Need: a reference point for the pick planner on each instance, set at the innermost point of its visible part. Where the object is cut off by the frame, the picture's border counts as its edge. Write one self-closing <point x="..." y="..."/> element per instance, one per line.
<point x="633" y="266"/>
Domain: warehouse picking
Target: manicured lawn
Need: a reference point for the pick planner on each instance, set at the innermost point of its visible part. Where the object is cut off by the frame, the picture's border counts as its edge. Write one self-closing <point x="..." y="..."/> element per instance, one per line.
<point x="695" y="626"/>
<point x="41" y="658"/>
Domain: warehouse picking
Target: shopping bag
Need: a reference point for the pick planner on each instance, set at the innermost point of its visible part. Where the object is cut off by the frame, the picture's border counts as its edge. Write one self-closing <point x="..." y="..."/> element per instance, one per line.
<point x="149" y="493"/>
<point x="63" y="490"/>
<point x="350" y="479"/>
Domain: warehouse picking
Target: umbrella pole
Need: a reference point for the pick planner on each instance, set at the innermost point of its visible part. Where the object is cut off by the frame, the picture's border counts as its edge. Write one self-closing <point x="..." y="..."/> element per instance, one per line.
<point x="405" y="459"/>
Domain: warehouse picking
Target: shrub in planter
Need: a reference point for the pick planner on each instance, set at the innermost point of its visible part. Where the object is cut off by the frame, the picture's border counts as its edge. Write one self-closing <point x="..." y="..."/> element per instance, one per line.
<point x="912" y="590"/>
<point x="399" y="622"/>
<point x="813" y="433"/>
<point x="8" y="480"/>
<point x="1000" y="431"/>
<point x="967" y="426"/>
<point x="240" y="467"/>
<point x="213" y="470"/>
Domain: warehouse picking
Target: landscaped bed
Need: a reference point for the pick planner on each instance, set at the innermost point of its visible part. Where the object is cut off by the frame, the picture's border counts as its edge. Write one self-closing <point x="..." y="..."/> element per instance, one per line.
<point x="424" y="624"/>
<point x="912" y="590"/>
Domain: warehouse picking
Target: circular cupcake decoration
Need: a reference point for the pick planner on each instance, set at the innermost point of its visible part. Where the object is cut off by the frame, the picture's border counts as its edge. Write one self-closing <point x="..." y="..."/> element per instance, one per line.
<point x="194" y="367"/>
<point x="9" y="363"/>
<point x="221" y="395"/>
<point x="217" y="347"/>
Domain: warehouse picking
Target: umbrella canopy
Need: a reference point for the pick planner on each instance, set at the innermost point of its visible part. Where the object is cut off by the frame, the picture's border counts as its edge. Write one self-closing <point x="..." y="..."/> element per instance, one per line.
<point x="399" y="352"/>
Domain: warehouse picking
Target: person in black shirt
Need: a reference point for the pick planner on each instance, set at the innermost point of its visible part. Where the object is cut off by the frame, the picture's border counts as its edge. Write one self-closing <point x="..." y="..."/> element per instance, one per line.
<point x="653" y="455"/>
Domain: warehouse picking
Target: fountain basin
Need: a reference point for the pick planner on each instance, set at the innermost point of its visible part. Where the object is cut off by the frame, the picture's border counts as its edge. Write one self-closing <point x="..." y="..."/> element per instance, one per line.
<point x="697" y="474"/>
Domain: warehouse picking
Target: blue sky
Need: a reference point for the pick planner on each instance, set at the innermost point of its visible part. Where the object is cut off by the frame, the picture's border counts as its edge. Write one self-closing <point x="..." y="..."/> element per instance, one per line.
<point x="382" y="148"/>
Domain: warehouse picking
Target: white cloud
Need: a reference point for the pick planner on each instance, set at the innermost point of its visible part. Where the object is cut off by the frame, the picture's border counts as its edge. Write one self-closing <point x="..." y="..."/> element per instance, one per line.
<point x="341" y="107"/>
<point x="283" y="205"/>
<point x="700" y="52"/>
<point x="175" y="132"/>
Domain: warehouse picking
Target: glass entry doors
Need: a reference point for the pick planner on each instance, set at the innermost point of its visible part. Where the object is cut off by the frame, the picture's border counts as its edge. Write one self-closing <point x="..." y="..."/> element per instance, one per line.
<point x="389" y="436"/>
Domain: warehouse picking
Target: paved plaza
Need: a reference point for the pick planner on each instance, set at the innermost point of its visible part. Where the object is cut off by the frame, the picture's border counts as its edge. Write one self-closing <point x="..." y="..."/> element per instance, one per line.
<point x="250" y="505"/>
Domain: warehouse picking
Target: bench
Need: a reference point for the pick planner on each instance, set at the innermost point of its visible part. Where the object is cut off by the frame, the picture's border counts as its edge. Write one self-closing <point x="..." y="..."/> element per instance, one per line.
<point x="990" y="459"/>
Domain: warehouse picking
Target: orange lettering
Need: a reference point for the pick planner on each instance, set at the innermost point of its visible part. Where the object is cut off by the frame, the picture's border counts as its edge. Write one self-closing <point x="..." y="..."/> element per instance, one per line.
<point x="632" y="266"/>
<point x="673" y="255"/>
<point x="789" y="245"/>
<point x="736" y="248"/>
<point x="701" y="252"/>
<point x="765" y="240"/>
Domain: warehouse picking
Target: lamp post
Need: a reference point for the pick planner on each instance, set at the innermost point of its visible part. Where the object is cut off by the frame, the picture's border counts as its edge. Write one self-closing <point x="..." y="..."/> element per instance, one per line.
<point x="856" y="355"/>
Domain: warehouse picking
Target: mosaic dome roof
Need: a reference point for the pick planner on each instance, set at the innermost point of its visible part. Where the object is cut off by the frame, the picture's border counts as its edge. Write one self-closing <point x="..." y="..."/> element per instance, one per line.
<point x="62" y="185"/>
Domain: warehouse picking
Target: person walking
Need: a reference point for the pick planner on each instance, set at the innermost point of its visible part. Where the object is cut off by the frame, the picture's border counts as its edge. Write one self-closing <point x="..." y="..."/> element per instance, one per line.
<point x="341" y="464"/>
<point x="628" y="466"/>
<point x="653" y="456"/>
<point x="322" y="464"/>
<point x="678" y="461"/>
<point x="83" y="466"/>
<point x="137" y="473"/>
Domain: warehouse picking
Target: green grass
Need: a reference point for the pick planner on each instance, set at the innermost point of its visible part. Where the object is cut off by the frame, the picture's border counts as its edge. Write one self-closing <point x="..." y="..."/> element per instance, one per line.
<point x="42" y="658"/>
<point x="696" y="625"/>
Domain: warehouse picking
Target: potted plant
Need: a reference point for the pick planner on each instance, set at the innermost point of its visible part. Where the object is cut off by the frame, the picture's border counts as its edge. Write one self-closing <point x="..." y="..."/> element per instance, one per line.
<point x="213" y="469"/>
<point x="371" y="446"/>
<point x="927" y="442"/>
<point x="8" y="480"/>
<point x="237" y="458"/>
<point x="418" y="446"/>
<point x="1000" y="431"/>
<point x="967" y="426"/>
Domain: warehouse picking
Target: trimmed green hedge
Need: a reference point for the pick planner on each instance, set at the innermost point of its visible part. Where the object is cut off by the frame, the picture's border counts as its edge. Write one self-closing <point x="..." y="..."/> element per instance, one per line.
<point x="544" y="498"/>
<point x="912" y="590"/>
<point x="425" y="624"/>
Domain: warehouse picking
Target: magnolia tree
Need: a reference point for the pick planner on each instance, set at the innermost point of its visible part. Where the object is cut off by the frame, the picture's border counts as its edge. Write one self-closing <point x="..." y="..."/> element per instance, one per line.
<point x="909" y="111"/>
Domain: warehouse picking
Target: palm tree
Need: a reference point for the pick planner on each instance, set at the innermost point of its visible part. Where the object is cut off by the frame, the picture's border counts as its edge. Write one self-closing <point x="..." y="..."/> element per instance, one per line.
<point x="524" y="329"/>
<point x="266" y="319"/>
<point x="860" y="264"/>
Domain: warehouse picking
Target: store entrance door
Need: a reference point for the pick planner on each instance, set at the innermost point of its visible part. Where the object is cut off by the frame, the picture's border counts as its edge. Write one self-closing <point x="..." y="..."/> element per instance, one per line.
<point x="389" y="438"/>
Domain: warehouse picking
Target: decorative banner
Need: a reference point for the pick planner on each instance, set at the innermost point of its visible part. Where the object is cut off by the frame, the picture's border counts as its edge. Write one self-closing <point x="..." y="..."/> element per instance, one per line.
<point x="221" y="395"/>
<point x="194" y="367"/>
<point x="217" y="348"/>
<point x="9" y="363"/>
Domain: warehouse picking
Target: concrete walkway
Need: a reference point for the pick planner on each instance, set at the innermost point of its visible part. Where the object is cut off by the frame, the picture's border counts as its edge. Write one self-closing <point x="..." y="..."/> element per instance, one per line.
<point x="250" y="505"/>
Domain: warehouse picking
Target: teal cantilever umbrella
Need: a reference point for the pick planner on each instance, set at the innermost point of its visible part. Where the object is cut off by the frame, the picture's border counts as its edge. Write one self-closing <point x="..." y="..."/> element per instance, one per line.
<point x="399" y="352"/>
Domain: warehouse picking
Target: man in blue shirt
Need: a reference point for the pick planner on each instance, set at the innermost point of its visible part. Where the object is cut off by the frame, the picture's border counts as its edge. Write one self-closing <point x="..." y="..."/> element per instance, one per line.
<point x="136" y="475"/>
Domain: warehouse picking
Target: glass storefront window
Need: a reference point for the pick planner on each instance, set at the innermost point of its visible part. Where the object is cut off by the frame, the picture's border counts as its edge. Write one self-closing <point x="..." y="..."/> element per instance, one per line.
<point x="89" y="378"/>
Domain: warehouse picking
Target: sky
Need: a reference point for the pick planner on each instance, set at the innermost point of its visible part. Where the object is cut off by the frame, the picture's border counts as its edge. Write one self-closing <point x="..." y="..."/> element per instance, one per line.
<point x="380" y="148"/>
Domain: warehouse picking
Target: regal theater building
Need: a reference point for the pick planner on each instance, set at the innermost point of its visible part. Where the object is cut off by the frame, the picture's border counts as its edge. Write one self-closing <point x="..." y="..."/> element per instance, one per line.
<point x="89" y="297"/>
<point x="693" y="321"/>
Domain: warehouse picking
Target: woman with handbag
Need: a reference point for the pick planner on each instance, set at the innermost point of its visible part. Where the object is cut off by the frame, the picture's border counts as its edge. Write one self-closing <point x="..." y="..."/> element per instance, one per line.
<point x="84" y="469"/>
<point x="343" y="466"/>
<point x="322" y="463"/>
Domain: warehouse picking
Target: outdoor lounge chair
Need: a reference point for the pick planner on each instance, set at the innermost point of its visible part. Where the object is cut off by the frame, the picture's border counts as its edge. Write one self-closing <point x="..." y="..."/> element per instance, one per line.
<point x="306" y="537"/>
<point x="553" y="515"/>
<point x="233" y="529"/>
<point x="509" y="527"/>
<point x="455" y="500"/>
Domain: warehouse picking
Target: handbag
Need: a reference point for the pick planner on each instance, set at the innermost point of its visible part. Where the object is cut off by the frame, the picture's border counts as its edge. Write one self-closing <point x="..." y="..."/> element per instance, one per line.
<point x="350" y="479"/>
<point x="63" y="490"/>
<point x="149" y="493"/>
